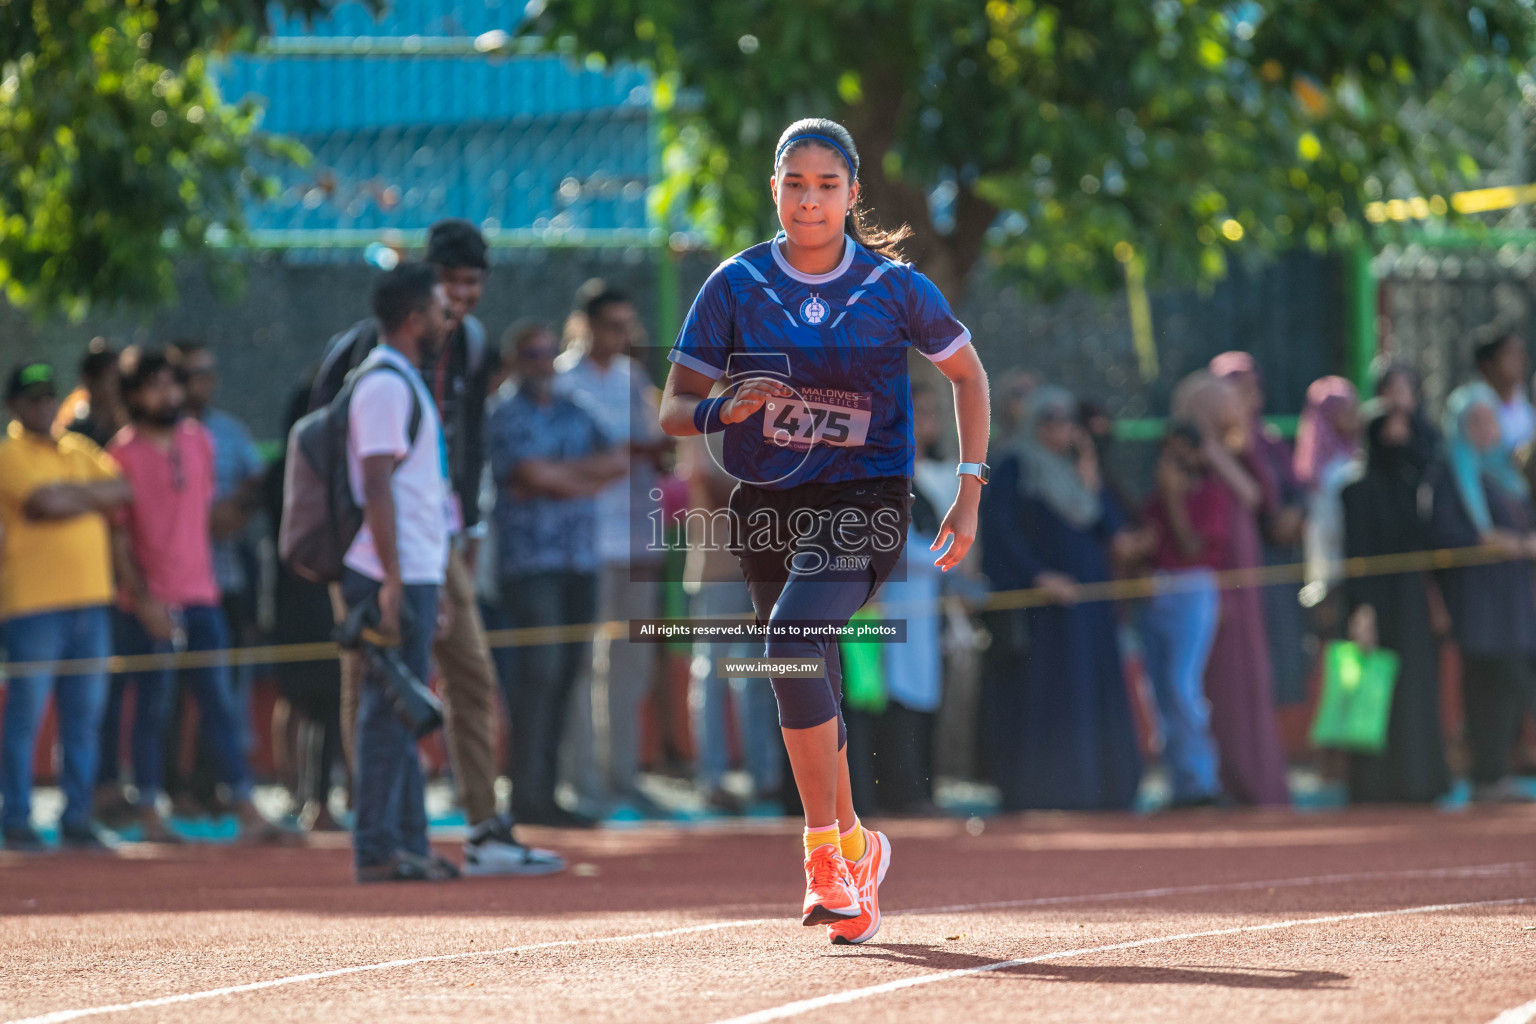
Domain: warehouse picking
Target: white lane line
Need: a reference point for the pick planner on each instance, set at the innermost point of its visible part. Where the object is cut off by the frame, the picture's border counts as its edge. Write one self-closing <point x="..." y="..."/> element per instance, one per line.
<point x="852" y="995"/>
<point x="60" y="1016"/>
<point x="1187" y="890"/>
<point x="1517" y="1015"/>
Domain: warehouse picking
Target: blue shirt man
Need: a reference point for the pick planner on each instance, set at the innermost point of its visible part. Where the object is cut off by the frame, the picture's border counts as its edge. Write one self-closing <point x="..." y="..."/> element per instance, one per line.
<point x="543" y="528"/>
<point x="549" y="459"/>
<point x="237" y="465"/>
<point x="236" y="462"/>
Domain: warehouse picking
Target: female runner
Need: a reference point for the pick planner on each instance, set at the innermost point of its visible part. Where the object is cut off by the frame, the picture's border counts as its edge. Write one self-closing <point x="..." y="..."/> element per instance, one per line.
<point x="803" y="341"/>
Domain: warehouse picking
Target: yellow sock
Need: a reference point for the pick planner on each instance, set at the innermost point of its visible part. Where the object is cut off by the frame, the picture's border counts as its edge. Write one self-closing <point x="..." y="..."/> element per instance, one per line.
<point x="826" y="835"/>
<point x="854" y="842"/>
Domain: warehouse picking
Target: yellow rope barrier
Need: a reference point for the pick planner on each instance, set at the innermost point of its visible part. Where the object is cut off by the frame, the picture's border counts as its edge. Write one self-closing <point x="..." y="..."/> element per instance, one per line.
<point x="1031" y="597"/>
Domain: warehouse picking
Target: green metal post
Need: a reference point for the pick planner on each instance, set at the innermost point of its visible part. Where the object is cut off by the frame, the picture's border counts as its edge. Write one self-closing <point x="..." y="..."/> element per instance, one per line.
<point x="1362" y="342"/>
<point x="667" y="320"/>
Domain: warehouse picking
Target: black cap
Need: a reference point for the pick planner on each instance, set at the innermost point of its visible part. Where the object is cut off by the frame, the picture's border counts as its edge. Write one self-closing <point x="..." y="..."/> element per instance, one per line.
<point x="29" y="380"/>
<point x="456" y="243"/>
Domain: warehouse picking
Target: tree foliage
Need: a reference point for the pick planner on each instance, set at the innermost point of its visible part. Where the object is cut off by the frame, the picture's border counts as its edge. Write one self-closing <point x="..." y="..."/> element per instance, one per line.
<point x="117" y="154"/>
<point x="1063" y="138"/>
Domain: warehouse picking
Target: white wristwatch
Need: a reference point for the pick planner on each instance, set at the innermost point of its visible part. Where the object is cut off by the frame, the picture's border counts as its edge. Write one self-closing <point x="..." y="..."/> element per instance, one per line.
<point x="980" y="470"/>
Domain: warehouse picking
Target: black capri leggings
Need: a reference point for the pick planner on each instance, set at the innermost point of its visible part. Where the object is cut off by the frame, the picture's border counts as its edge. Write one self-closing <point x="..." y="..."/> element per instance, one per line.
<point x="813" y="555"/>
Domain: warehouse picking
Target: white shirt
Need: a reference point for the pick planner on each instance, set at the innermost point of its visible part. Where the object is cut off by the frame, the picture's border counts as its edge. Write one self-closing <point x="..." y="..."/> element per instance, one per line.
<point x="1517" y="422"/>
<point x="620" y="399"/>
<point x="939" y="483"/>
<point x="380" y="425"/>
<point x="1322" y="540"/>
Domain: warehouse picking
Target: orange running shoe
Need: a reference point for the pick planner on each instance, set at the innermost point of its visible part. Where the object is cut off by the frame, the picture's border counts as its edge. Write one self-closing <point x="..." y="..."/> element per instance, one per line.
<point x="830" y="894"/>
<point x="867" y="873"/>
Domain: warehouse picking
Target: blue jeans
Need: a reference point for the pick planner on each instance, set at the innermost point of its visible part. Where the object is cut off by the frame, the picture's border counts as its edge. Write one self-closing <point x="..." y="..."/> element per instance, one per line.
<point x="389" y="795"/>
<point x="155" y="693"/>
<point x="756" y="717"/>
<point x="1178" y="628"/>
<point x="75" y="633"/>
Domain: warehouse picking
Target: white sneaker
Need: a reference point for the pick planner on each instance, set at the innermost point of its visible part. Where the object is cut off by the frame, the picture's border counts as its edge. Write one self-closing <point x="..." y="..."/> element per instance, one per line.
<point x="492" y="850"/>
<point x="1506" y="791"/>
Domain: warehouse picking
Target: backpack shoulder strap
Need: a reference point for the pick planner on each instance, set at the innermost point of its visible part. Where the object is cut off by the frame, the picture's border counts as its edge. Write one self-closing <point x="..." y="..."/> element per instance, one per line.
<point x="474" y="343"/>
<point x="344" y="353"/>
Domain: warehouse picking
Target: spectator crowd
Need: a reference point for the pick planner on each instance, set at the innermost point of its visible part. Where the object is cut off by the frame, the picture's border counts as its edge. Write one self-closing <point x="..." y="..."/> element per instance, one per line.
<point x="515" y="485"/>
<point x="1219" y="650"/>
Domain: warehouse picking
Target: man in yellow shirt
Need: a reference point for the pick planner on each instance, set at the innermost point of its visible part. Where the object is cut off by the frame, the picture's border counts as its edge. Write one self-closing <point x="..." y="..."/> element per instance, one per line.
<point x="55" y="595"/>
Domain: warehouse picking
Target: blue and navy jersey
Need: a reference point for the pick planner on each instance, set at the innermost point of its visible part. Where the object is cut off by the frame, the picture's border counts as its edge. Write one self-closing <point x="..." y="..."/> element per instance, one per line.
<point x="839" y="340"/>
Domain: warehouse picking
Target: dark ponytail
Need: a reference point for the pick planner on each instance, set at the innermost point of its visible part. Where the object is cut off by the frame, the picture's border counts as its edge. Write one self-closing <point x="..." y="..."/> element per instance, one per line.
<point x="835" y="138"/>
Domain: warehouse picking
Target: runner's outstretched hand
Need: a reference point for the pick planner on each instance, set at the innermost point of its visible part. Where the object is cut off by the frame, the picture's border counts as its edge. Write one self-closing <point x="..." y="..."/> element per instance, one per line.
<point x="960" y="525"/>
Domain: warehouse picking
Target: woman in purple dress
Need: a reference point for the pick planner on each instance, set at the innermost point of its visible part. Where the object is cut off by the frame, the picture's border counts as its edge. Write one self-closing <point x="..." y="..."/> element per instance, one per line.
<point x="1237" y="675"/>
<point x="1281" y="522"/>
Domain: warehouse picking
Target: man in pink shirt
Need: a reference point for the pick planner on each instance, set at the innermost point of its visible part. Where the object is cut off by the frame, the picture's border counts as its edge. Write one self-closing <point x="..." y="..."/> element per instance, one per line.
<point x="168" y="599"/>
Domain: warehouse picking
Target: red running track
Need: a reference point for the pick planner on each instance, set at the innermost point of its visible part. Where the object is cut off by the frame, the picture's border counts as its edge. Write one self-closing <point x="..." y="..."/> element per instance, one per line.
<point x="1402" y="915"/>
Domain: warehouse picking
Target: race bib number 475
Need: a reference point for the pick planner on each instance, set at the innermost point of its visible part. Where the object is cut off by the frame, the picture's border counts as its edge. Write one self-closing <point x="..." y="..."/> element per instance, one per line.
<point x="817" y="416"/>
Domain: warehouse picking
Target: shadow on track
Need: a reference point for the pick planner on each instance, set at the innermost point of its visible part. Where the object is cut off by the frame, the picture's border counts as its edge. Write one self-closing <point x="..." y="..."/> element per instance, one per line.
<point x="937" y="958"/>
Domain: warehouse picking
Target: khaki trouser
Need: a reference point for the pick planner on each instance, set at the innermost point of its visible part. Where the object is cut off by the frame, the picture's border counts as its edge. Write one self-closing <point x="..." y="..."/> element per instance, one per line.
<point x="468" y="691"/>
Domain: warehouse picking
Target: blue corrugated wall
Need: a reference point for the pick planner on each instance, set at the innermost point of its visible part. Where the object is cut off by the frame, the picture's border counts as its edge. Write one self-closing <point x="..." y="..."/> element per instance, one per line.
<point x="512" y="142"/>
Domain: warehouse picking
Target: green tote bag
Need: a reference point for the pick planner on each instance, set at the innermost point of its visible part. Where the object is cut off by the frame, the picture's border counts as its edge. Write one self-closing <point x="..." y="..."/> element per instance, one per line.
<point x="1356" y="703"/>
<point x="864" y="669"/>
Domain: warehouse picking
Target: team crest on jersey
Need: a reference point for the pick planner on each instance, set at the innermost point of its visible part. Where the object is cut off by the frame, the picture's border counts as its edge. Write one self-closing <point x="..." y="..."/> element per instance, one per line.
<point x="813" y="310"/>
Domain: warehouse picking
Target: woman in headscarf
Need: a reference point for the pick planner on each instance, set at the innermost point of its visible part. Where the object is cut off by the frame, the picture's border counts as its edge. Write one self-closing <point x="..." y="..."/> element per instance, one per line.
<point x="1281" y="519"/>
<point x="1382" y="516"/>
<point x="1398" y="389"/>
<point x="1480" y="497"/>
<point x="1328" y="435"/>
<point x="1237" y="673"/>
<point x="1187" y="518"/>
<point x="1061" y="729"/>
<point x="1327" y="441"/>
<point x="1006" y="628"/>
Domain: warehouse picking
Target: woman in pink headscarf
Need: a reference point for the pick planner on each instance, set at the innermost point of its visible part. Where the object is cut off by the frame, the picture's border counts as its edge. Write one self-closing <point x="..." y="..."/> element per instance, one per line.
<point x="1327" y="446"/>
<point x="1329" y="432"/>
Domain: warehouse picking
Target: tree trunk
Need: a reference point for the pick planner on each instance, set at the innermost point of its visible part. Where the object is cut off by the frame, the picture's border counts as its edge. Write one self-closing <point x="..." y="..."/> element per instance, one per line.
<point x="947" y="259"/>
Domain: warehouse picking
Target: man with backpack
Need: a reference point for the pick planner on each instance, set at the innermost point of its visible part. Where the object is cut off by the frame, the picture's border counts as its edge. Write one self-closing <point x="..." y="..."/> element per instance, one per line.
<point x="455" y="369"/>
<point x="397" y="559"/>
